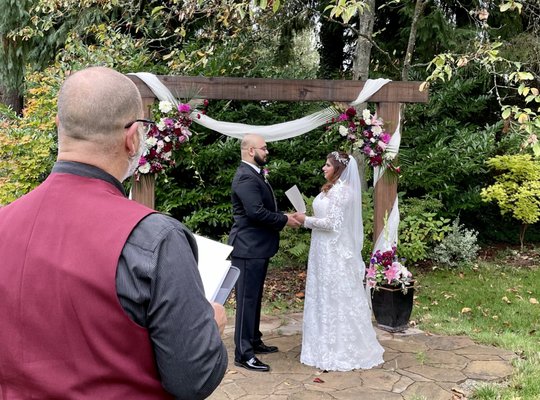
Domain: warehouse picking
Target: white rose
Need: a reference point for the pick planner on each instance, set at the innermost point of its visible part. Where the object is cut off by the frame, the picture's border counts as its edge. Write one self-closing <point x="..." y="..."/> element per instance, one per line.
<point x="161" y="124"/>
<point x="151" y="142"/>
<point x="366" y="115"/>
<point x="145" y="168"/>
<point x="343" y="131"/>
<point x="376" y="130"/>
<point x="165" y="106"/>
<point x="389" y="156"/>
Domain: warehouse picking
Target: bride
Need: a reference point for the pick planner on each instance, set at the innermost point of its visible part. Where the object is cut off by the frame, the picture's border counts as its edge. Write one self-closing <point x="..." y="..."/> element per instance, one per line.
<point x="337" y="331"/>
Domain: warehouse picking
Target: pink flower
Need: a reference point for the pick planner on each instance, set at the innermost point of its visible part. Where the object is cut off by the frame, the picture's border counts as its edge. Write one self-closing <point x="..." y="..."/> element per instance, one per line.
<point x="385" y="137"/>
<point x="184" y="108"/>
<point x="391" y="273"/>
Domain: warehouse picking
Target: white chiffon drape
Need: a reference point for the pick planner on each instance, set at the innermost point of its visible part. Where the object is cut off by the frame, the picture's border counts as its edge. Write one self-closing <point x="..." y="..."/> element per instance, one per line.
<point x="338" y="334"/>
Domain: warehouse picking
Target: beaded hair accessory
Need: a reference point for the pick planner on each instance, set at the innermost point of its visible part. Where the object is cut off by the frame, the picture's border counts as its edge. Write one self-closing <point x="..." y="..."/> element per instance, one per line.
<point x="341" y="159"/>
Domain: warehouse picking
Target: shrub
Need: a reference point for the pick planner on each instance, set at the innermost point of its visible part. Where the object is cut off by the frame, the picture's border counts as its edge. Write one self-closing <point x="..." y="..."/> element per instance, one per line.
<point x="420" y="228"/>
<point x="25" y="157"/>
<point x="458" y="246"/>
<point x="517" y="189"/>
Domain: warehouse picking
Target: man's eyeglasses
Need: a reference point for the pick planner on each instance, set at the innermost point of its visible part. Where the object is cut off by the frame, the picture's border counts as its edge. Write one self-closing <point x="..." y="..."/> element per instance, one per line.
<point x="147" y="123"/>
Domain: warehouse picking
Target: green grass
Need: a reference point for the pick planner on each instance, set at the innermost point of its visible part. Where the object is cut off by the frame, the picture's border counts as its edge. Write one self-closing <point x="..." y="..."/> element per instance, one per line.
<point x="492" y="304"/>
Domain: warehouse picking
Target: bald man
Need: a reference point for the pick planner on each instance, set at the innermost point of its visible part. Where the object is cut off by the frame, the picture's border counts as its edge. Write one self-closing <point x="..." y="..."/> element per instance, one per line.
<point x="255" y="238"/>
<point x="100" y="296"/>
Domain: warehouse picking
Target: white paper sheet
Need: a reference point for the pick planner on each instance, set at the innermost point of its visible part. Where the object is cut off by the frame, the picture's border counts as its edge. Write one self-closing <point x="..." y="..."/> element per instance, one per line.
<point x="296" y="199"/>
<point x="213" y="264"/>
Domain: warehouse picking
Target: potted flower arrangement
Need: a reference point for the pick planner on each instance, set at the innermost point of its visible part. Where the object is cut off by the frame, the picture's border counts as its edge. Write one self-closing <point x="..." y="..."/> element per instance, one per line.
<point x="392" y="288"/>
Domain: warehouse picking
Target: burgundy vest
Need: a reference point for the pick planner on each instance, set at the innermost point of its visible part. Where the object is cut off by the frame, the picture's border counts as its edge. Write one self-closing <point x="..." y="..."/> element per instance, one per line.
<point x="63" y="333"/>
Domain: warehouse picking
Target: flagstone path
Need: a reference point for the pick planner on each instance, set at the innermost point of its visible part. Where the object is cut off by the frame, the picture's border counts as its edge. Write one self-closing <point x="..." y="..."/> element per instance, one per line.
<point x="417" y="366"/>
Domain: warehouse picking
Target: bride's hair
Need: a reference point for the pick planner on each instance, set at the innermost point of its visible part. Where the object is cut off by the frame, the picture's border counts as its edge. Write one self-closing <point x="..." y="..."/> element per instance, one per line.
<point x="339" y="160"/>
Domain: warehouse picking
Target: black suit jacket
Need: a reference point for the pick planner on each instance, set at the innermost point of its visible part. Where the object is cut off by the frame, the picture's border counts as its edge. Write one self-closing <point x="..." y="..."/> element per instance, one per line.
<point x="255" y="232"/>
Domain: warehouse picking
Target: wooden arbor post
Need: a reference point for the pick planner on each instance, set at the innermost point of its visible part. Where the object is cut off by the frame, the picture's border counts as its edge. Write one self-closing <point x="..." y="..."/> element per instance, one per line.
<point x="388" y="99"/>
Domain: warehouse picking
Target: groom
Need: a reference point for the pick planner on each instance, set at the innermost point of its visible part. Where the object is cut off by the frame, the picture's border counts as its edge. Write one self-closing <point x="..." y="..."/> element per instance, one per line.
<point x="255" y="238"/>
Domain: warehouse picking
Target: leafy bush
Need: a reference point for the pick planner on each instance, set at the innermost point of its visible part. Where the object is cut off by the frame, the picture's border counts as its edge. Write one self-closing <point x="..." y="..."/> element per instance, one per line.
<point x="517" y="189"/>
<point x="457" y="247"/>
<point x="420" y="228"/>
<point x="32" y="153"/>
<point x="27" y="145"/>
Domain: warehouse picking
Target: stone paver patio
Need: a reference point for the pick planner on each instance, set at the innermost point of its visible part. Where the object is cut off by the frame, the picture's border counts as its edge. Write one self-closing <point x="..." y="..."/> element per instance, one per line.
<point x="417" y="366"/>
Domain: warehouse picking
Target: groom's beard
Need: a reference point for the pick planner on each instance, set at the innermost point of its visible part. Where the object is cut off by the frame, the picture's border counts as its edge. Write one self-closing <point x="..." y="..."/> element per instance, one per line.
<point x="261" y="162"/>
<point x="133" y="161"/>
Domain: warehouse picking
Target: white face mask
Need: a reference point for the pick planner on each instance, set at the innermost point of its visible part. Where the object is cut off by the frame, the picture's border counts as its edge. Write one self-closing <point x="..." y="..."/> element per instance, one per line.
<point x="133" y="161"/>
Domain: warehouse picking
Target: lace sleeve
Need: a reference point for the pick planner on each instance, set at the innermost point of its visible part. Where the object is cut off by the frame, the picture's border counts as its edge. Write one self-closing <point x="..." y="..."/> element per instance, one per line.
<point x="337" y="197"/>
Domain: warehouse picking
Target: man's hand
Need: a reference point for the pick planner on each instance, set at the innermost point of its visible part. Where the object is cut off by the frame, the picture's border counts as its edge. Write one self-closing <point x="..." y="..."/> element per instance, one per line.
<point x="220" y="317"/>
<point x="300" y="217"/>
<point x="292" y="221"/>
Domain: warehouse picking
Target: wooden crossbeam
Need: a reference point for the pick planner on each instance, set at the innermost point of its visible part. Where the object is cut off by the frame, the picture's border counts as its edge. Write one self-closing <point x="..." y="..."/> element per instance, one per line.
<point x="188" y="87"/>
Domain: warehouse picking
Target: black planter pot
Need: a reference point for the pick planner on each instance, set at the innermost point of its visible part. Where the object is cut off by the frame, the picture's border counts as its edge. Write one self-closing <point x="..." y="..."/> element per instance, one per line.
<point x="392" y="308"/>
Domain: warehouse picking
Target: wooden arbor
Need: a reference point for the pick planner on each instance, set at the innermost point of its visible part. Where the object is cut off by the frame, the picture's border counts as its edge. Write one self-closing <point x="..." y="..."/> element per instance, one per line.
<point x="388" y="100"/>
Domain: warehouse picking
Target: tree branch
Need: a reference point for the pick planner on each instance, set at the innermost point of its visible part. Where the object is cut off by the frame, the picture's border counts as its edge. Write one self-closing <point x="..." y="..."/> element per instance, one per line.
<point x="418" y="10"/>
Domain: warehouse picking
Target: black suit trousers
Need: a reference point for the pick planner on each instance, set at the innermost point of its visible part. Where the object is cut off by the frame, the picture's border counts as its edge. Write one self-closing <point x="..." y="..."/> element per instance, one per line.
<point x="249" y="291"/>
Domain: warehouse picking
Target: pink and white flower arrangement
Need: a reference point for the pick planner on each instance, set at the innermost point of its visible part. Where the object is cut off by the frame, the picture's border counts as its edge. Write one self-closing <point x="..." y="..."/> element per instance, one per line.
<point x="386" y="269"/>
<point x="366" y="134"/>
<point x="171" y="130"/>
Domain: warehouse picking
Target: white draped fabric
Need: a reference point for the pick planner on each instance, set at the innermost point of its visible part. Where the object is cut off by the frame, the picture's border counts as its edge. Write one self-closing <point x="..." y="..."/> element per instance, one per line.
<point x="290" y="129"/>
<point x="271" y="133"/>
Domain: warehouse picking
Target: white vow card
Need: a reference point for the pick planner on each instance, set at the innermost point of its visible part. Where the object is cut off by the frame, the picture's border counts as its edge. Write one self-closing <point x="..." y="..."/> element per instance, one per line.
<point x="296" y="199"/>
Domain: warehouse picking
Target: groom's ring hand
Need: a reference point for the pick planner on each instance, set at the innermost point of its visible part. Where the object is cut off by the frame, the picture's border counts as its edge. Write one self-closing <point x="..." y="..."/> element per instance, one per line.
<point x="292" y="222"/>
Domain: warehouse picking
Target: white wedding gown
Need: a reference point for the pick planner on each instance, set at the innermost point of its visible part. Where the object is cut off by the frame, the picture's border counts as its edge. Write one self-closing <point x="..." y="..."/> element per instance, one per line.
<point x="338" y="334"/>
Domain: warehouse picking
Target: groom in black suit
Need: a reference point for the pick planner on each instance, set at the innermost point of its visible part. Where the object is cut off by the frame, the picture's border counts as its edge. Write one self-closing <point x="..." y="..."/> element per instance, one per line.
<point x="255" y="238"/>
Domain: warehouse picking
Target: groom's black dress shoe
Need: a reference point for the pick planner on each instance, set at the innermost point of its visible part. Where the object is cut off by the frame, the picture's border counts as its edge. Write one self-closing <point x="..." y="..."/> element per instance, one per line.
<point x="253" y="364"/>
<point x="264" y="349"/>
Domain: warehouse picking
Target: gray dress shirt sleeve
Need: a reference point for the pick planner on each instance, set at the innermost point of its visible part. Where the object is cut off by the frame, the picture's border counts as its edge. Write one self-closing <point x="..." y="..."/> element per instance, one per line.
<point x="159" y="287"/>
